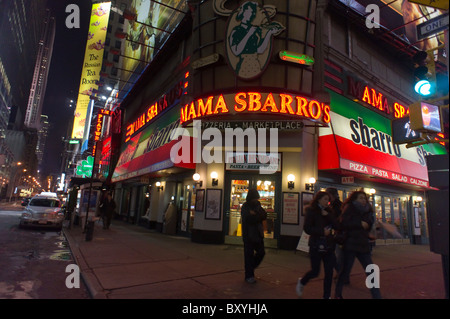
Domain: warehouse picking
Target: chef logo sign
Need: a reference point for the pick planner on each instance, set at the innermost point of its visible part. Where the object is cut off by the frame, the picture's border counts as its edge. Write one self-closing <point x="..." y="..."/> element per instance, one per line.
<point x="249" y="36"/>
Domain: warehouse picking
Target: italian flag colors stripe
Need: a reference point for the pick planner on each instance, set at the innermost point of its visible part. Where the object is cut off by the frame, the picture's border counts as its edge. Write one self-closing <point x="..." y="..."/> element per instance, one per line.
<point x="359" y="140"/>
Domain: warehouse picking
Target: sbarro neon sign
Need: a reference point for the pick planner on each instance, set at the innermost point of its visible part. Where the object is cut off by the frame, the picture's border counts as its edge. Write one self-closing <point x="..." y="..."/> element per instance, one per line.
<point x="256" y="103"/>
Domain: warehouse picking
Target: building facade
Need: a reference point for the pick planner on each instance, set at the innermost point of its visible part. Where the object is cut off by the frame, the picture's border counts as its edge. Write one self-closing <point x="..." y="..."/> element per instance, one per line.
<point x="262" y="95"/>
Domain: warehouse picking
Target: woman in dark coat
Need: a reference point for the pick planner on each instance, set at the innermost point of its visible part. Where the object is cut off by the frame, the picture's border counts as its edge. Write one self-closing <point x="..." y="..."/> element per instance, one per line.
<point x="319" y="223"/>
<point x="356" y="221"/>
<point x="252" y="215"/>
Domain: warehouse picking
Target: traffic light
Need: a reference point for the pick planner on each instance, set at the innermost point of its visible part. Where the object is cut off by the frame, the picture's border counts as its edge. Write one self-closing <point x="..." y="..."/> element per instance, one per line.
<point x="424" y="73"/>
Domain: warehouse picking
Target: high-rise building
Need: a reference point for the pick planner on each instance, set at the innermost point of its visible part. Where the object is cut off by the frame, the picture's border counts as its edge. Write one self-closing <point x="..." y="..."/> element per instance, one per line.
<point x="21" y="27"/>
<point x="42" y="138"/>
<point x="41" y="70"/>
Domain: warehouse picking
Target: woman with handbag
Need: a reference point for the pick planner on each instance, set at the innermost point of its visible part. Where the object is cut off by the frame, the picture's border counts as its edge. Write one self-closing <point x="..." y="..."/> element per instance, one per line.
<point x="252" y="215"/>
<point x="356" y="220"/>
<point x="319" y="224"/>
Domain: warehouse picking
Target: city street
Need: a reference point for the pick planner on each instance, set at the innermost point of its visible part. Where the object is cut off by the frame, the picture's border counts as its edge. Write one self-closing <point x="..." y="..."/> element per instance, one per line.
<point x="33" y="261"/>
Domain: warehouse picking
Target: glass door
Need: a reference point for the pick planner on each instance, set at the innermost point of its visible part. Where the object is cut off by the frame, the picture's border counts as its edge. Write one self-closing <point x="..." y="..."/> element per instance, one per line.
<point x="239" y="186"/>
<point x="187" y="211"/>
<point x="239" y="190"/>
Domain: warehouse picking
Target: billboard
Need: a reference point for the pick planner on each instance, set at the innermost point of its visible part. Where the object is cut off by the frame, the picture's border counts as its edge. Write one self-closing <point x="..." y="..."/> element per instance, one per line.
<point x="401" y="17"/>
<point x="92" y="64"/>
<point x="146" y="35"/>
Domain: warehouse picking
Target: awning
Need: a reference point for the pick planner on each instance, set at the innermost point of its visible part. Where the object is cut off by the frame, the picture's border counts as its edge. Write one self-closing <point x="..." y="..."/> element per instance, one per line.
<point x="149" y="150"/>
<point x="360" y="140"/>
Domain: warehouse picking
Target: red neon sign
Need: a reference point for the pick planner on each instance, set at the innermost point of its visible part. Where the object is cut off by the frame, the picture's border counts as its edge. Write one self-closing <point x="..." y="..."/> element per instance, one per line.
<point x="255" y="102"/>
<point x="167" y="100"/>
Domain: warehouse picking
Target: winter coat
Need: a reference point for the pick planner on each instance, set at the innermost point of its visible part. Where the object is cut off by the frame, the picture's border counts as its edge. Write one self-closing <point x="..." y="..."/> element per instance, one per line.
<point x="252" y="227"/>
<point x="108" y="207"/>
<point x="315" y="223"/>
<point x="357" y="237"/>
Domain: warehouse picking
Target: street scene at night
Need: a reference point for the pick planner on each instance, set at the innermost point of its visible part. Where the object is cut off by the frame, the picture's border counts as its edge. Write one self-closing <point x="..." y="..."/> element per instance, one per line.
<point x="225" y="157"/>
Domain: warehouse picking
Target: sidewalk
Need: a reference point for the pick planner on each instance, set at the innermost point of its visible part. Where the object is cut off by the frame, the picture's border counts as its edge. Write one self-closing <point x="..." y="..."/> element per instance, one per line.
<point x="131" y="262"/>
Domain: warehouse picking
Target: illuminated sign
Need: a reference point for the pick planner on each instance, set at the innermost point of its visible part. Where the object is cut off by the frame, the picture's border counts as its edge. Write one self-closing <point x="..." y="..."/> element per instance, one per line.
<point x="92" y="64"/>
<point x="85" y="169"/>
<point x="105" y="112"/>
<point x="402" y="132"/>
<point x="98" y="131"/>
<point x="440" y="4"/>
<point x="374" y="98"/>
<point x="340" y="81"/>
<point x="152" y="24"/>
<point x="256" y="103"/>
<point x="296" y="57"/>
<point x="252" y="161"/>
<point x="152" y="111"/>
<point x="425" y="117"/>
<point x="361" y="140"/>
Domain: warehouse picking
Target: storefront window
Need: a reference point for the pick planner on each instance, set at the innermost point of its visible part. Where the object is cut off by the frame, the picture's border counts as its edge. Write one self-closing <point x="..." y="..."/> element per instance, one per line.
<point x="239" y="190"/>
<point x="387" y="210"/>
<point x="396" y="208"/>
<point x="266" y="190"/>
<point x="404" y="229"/>
<point x="378" y="208"/>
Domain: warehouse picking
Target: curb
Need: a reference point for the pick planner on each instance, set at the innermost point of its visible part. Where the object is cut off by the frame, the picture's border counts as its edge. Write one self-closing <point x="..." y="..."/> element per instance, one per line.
<point x="94" y="287"/>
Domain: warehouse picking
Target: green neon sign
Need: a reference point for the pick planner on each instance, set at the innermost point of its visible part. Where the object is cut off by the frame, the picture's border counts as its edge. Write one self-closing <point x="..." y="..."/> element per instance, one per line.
<point x="85" y="169"/>
<point x="295" y="57"/>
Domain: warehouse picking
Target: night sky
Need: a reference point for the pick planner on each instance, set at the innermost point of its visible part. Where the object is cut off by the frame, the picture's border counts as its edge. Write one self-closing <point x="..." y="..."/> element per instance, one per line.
<point x="63" y="79"/>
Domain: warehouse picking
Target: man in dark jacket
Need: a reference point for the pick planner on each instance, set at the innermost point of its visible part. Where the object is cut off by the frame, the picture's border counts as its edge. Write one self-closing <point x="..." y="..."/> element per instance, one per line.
<point x="108" y="207"/>
<point x="252" y="215"/>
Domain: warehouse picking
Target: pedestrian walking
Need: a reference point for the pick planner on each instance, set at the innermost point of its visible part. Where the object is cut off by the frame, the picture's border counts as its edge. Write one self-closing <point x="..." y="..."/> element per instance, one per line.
<point x="108" y="208"/>
<point x="356" y="221"/>
<point x="252" y="215"/>
<point x="336" y="205"/>
<point x="319" y="223"/>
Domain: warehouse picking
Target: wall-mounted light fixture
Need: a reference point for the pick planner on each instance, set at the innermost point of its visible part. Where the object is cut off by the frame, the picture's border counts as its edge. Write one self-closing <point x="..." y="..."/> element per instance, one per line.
<point x="196" y="178"/>
<point x="159" y="187"/>
<point x="291" y="178"/>
<point x="418" y="200"/>
<point x="215" y="181"/>
<point x="310" y="186"/>
<point x="372" y="192"/>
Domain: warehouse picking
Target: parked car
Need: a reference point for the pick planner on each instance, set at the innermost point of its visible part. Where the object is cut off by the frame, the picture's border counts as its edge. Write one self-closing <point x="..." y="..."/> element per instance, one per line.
<point x="43" y="211"/>
<point x="25" y="201"/>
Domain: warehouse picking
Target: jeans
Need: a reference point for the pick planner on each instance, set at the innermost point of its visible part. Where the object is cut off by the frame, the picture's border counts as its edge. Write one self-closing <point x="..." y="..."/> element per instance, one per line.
<point x="349" y="258"/>
<point x="253" y="256"/>
<point x="329" y="262"/>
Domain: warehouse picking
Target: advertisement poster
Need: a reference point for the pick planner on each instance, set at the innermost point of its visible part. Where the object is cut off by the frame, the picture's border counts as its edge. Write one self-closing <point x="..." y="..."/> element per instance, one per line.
<point x="92" y="64"/>
<point x="291" y="208"/>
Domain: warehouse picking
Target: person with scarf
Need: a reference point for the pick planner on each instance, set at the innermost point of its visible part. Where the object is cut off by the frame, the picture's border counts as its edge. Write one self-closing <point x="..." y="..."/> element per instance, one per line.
<point x="356" y="220"/>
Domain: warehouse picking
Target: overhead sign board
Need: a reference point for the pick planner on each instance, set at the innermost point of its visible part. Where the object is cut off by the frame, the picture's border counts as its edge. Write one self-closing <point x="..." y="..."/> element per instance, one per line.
<point x="439" y="4"/>
<point x="432" y="26"/>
